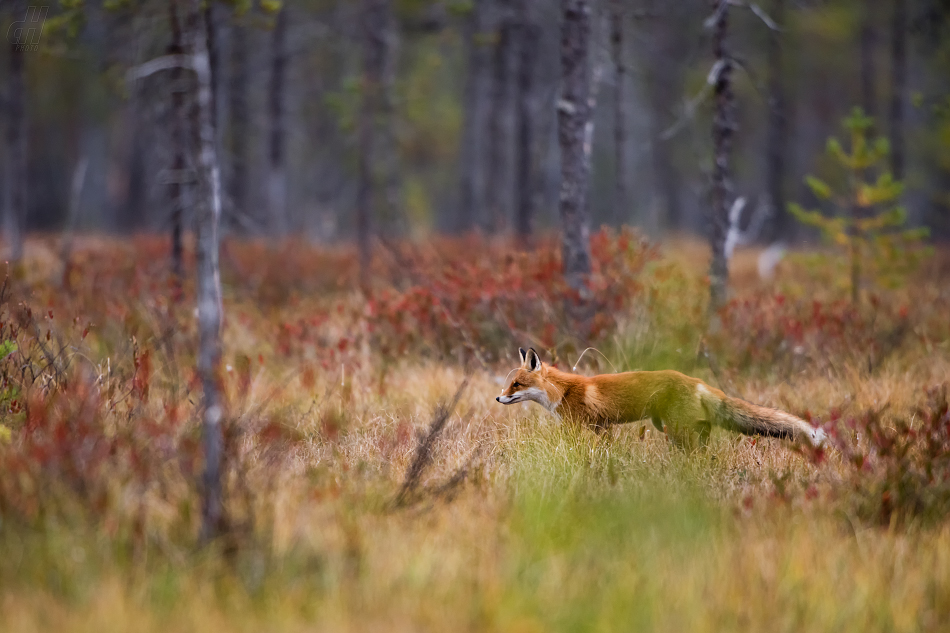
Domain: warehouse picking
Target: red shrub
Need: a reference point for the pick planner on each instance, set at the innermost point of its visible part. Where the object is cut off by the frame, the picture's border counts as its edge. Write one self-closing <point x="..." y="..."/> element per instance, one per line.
<point x="775" y="333"/>
<point x="486" y="297"/>
<point x="896" y="470"/>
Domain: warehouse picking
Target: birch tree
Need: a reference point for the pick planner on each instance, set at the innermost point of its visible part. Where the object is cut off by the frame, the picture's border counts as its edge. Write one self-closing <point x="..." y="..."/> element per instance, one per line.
<point x="620" y="202"/>
<point x="208" y="214"/>
<point x="178" y="142"/>
<point x="524" y="155"/>
<point x="575" y="134"/>
<point x="471" y="173"/>
<point x="238" y="121"/>
<point x="211" y="43"/>
<point x="723" y="127"/>
<point x="500" y="120"/>
<point x="664" y="82"/>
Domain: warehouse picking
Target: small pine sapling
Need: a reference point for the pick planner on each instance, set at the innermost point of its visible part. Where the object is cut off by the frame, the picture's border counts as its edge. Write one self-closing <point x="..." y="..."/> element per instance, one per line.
<point x="871" y="224"/>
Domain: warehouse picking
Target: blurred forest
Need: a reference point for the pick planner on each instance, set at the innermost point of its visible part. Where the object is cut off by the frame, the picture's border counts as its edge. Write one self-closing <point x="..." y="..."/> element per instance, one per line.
<point x="461" y="102"/>
<point x="269" y="263"/>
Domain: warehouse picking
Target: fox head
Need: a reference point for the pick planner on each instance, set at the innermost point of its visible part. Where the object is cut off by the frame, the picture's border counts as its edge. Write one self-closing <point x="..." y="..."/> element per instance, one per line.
<point x="528" y="382"/>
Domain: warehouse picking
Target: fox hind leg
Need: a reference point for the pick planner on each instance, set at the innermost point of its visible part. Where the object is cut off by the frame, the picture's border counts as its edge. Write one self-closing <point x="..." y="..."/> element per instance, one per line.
<point x="705" y="428"/>
<point x="678" y="435"/>
<point x="690" y="438"/>
<point x="690" y="428"/>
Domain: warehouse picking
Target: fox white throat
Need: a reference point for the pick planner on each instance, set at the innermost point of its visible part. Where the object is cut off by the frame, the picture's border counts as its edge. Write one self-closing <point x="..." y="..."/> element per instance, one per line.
<point x="532" y="394"/>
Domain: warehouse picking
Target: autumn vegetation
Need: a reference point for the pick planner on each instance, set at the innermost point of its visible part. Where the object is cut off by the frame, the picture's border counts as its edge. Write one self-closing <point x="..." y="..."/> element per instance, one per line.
<point x="372" y="482"/>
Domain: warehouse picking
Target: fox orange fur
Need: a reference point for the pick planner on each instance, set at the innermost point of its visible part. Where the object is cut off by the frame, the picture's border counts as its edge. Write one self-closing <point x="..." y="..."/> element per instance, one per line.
<point x="685" y="408"/>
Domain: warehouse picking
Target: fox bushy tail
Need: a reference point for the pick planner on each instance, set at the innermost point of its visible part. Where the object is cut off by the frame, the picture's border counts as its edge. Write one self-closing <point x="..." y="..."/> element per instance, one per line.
<point x="752" y="419"/>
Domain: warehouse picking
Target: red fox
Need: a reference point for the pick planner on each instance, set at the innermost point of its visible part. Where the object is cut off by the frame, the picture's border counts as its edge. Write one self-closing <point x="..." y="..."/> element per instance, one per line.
<point x="684" y="407"/>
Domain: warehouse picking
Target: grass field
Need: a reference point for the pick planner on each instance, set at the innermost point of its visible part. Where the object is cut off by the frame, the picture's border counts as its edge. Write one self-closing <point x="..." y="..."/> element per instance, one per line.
<point x="514" y="523"/>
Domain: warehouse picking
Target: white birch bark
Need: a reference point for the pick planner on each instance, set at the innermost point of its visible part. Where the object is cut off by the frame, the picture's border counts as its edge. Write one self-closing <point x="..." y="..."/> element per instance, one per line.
<point x="209" y="281"/>
<point x="575" y="109"/>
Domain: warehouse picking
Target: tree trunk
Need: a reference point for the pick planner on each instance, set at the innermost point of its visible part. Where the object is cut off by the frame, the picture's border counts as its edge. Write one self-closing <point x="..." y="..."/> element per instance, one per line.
<point x="388" y="160"/>
<point x="238" y="124"/>
<point x="524" y="157"/>
<point x="15" y="219"/>
<point x="619" y="215"/>
<point x="212" y="44"/>
<point x="778" y="130"/>
<point x="134" y="206"/>
<point x="665" y="210"/>
<point x="471" y="200"/>
<point x="208" y="214"/>
<point x="898" y="86"/>
<point x="179" y="143"/>
<point x="277" y="173"/>
<point x="374" y="22"/>
<point x="722" y="130"/>
<point x="574" y="136"/>
<point x="499" y="125"/>
<point x="72" y="218"/>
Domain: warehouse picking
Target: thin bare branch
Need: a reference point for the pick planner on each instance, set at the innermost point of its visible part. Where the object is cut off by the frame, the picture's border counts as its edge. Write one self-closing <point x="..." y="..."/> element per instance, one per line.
<point x="165" y="62"/>
<point x="762" y="15"/>
<point x="689" y="112"/>
<point x="424" y="449"/>
<point x="721" y="8"/>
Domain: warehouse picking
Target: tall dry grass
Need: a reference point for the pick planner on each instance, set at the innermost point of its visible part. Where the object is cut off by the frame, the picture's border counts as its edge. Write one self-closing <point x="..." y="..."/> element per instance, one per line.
<point x="512" y="521"/>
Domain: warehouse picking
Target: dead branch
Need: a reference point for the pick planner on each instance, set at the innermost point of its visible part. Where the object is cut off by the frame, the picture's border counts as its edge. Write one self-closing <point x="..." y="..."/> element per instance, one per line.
<point x="423" y="455"/>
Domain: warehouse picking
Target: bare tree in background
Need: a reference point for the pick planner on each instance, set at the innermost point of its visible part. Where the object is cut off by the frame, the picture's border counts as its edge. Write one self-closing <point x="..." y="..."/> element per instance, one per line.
<point x="620" y="202"/>
<point x="376" y="17"/>
<point x="238" y="122"/>
<point x="898" y="85"/>
<point x="15" y="217"/>
<point x="179" y="142"/>
<point x="391" y="205"/>
<point x="529" y="37"/>
<point x="277" y="173"/>
<point x="723" y="127"/>
<point x="778" y="128"/>
<point x="211" y="40"/>
<point x="575" y="135"/>
<point x="663" y="79"/>
<point x="208" y="214"/>
<point x="499" y="124"/>
<point x="471" y="172"/>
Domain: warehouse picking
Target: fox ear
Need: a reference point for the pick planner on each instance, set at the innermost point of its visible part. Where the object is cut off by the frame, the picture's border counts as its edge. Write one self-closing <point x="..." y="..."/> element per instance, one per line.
<point x="533" y="360"/>
<point x="523" y="353"/>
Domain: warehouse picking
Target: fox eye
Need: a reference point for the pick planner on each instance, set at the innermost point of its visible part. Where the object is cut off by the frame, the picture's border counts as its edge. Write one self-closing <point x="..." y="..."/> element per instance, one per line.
<point x="515" y="385"/>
